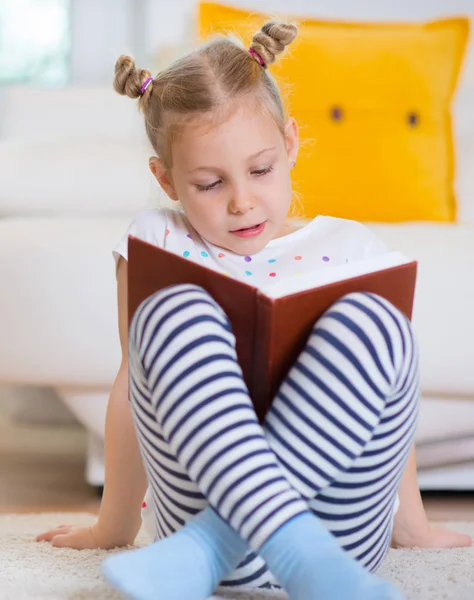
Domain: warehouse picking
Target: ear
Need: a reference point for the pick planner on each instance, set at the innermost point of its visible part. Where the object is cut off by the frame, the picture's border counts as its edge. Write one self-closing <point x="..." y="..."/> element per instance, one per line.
<point x="291" y="140"/>
<point x="162" y="176"/>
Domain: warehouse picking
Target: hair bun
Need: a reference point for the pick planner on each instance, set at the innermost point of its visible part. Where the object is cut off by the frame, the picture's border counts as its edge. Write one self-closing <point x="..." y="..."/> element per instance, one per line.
<point x="128" y="79"/>
<point x="272" y="39"/>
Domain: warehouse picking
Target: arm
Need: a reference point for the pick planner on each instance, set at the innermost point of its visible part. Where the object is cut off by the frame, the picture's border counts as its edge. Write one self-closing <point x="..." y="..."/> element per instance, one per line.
<point x="410" y="520"/>
<point x="411" y="527"/>
<point x="125" y="479"/>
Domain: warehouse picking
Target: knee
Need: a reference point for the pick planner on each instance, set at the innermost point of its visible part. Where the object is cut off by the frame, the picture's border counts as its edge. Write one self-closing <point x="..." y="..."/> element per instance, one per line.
<point x="177" y="301"/>
<point x="372" y="306"/>
<point x="170" y="294"/>
<point x="373" y="321"/>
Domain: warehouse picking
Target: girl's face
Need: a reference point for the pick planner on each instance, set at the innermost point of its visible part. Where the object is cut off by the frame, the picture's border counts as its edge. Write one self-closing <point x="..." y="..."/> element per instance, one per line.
<point x="233" y="181"/>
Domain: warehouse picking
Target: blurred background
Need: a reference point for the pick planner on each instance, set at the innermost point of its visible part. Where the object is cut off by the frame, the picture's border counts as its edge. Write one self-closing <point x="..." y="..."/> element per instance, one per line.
<point x="73" y="173"/>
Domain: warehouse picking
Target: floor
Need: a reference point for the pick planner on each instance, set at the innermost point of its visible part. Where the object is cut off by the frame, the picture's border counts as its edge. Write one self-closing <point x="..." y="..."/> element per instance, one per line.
<point x="42" y="470"/>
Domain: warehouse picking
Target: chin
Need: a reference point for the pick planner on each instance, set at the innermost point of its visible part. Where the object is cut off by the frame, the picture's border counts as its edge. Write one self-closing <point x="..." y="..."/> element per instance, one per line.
<point x="252" y="247"/>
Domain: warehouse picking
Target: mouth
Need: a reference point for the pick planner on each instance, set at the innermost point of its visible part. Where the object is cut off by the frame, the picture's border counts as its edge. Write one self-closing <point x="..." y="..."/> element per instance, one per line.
<point x="249" y="231"/>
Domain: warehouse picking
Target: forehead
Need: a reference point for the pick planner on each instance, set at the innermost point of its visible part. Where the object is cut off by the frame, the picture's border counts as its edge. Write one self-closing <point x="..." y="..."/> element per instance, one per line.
<point x="245" y="129"/>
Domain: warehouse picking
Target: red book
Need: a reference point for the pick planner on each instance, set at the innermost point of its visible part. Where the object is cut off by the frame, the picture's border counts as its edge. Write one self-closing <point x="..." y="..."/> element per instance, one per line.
<point x="271" y="324"/>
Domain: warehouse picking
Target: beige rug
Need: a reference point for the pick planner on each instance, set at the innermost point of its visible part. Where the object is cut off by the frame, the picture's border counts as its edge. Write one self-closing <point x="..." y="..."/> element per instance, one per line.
<point x="37" y="570"/>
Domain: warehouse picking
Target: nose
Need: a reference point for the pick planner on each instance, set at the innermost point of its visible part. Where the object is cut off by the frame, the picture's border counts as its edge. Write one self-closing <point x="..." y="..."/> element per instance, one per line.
<point x="240" y="202"/>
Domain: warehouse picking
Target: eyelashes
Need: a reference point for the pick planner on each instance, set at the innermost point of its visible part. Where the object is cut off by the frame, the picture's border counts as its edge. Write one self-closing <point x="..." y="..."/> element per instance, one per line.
<point x="214" y="184"/>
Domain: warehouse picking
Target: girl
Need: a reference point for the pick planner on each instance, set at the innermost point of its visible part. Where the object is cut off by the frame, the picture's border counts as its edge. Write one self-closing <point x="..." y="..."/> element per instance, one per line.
<point x="308" y="500"/>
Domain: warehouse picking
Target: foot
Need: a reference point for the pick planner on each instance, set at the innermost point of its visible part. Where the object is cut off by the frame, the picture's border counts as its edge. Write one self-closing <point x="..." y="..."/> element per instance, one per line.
<point x="431" y="536"/>
<point x="309" y="563"/>
<point x="188" y="565"/>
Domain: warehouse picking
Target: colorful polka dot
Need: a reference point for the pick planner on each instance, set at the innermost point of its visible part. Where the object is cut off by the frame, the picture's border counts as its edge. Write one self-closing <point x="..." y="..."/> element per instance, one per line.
<point x="272" y="274"/>
<point x="272" y="260"/>
<point x="347" y="260"/>
<point x="186" y="253"/>
<point x="248" y="259"/>
<point x="205" y="254"/>
<point x="221" y="255"/>
<point x="326" y="258"/>
<point x="298" y="257"/>
<point x="167" y="232"/>
<point x="144" y="505"/>
<point x="188" y="235"/>
<point x="248" y="273"/>
<point x="298" y="274"/>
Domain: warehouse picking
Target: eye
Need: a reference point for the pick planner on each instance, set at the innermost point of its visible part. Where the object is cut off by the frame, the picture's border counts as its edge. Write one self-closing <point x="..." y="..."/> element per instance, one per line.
<point x="211" y="186"/>
<point x="214" y="184"/>
<point x="261" y="172"/>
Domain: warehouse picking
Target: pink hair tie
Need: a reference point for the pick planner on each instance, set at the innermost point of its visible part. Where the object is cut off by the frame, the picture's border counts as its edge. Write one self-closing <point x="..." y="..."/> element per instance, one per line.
<point x="146" y="84"/>
<point x="253" y="53"/>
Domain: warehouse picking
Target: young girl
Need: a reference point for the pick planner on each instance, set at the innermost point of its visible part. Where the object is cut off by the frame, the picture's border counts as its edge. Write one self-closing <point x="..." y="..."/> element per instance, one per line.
<point x="308" y="500"/>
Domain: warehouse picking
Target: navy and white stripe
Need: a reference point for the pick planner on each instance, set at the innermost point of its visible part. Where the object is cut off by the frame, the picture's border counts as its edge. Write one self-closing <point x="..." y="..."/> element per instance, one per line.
<point x="336" y="438"/>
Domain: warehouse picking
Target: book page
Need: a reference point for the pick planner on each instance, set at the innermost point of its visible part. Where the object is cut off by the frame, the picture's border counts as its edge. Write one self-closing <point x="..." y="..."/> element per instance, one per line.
<point x="325" y="276"/>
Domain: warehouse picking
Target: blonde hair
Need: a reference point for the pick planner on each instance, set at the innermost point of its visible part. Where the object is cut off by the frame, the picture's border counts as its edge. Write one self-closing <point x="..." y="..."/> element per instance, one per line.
<point x="206" y="84"/>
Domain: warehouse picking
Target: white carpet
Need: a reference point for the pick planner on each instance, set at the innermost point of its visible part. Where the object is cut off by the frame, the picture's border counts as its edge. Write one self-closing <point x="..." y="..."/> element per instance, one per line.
<point x="37" y="570"/>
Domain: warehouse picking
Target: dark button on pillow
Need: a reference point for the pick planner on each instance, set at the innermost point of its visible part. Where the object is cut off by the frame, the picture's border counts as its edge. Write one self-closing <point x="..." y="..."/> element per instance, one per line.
<point x="337" y="113"/>
<point x="413" y="119"/>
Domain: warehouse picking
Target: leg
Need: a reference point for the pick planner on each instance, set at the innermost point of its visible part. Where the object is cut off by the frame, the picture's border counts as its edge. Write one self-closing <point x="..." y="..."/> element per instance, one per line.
<point x="182" y="354"/>
<point x="343" y="422"/>
<point x="342" y="429"/>
<point x="195" y="402"/>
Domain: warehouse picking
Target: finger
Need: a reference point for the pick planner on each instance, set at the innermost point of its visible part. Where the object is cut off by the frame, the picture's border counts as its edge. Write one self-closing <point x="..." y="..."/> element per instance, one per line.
<point x="464" y="541"/>
<point x="47" y="536"/>
<point x="451" y="539"/>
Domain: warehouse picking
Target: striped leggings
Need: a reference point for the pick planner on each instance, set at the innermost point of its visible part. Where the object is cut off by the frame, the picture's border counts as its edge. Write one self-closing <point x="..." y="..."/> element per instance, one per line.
<point x="335" y="440"/>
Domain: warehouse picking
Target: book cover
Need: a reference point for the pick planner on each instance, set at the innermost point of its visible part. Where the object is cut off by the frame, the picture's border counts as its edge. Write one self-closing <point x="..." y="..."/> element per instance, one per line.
<point x="270" y="331"/>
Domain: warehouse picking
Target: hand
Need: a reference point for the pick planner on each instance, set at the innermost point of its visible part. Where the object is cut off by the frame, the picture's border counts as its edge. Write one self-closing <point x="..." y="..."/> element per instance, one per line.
<point x="432" y="536"/>
<point x="78" y="537"/>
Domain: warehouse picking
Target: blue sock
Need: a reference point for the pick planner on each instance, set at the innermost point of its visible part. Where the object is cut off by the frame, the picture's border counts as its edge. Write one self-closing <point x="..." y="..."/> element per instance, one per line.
<point x="309" y="563"/>
<point x="302" y="554"/>
<point x="187" y="565"/>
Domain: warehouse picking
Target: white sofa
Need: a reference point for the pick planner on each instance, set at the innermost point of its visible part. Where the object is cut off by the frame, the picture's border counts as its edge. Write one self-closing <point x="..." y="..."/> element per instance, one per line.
<point x="73" y="172"/>
<point x="64" y="203"/>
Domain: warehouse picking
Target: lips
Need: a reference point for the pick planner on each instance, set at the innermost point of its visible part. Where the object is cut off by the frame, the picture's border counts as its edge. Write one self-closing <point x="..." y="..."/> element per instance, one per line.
<point x="250" y="231"/>
<point x="247" y="228"/>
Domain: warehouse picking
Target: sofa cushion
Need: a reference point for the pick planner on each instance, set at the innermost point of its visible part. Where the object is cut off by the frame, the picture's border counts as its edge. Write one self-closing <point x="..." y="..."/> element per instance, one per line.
<point x="76" y="177"/>
<point x="444" y="301"/>
<point x="443" y="419"/>
<point x="58" y="309"/>
<point x="80" y="112"/>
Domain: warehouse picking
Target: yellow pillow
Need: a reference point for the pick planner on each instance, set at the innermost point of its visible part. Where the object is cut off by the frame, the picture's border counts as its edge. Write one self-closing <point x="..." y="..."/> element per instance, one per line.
<point x="373" y="104"/>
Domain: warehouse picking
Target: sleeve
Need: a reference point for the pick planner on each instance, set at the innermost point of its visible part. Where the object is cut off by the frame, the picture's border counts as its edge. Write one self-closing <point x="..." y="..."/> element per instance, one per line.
<point x="149" y="226"/>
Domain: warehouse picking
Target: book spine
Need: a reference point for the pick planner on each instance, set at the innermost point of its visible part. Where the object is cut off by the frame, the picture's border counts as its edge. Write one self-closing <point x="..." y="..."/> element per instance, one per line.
<point x="262" y="363"/>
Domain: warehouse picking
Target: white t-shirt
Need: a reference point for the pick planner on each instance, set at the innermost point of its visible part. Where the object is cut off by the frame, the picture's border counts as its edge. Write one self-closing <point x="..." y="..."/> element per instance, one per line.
<point x="320" y="244"/>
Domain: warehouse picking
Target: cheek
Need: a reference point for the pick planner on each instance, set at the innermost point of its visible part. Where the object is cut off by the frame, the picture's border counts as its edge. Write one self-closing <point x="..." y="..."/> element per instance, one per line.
<point x="288" y="186"/>
<point x="203" y="211"/>
<point x="281" y="187"/>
